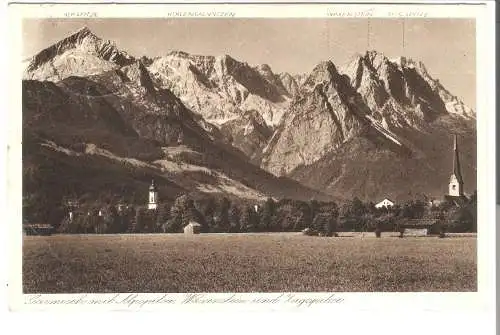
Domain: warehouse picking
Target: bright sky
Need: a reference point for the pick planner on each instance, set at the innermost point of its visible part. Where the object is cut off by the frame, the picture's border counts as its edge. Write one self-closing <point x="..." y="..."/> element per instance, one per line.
<point x="446" y="46"/>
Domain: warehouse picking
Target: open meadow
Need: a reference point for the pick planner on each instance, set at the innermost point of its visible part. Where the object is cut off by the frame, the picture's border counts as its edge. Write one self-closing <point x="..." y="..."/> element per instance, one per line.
<point x="279" y="262"/>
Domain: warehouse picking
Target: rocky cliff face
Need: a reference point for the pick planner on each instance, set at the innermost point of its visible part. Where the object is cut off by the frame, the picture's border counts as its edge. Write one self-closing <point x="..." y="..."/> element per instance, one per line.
<point x="249" y="133"/>
<point x="291" y="83"/>
<point x="323" y="115"/>
<point x="400" y="92"/>
<point x="222" y="89"/>
<point x="349" y="130"/>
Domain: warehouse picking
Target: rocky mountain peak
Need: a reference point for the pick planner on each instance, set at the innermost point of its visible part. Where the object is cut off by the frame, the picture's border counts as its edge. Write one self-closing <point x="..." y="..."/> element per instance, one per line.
<point x="406" y="62"/>
<point x="265" y="69"/>
<point x="178" y="53"/>
<point x="347" y="122"/>
<point x="324" y="72"/>
<point x="290" y="83"/>
<point x="227" y="63"/>
<point x="325" y="67"/>
<point x="80" y="53"/>
<point x="400" y="91"/>
<point x="375" y="58"/>
<point x="84" y="31"/>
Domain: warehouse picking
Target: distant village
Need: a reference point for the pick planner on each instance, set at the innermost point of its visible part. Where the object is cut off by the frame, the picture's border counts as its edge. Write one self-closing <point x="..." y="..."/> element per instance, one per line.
<point x="455" y="212"/>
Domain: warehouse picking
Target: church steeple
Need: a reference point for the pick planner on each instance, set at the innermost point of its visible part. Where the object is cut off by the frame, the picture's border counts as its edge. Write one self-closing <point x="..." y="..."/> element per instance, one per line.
<point x="456" y="162"/>
<point x="456" y="185"/>
<point x="153" y="196"/>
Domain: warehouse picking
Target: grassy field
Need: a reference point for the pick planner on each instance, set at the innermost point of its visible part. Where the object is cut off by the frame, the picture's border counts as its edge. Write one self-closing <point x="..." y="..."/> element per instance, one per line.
<point x="246" y="263"/>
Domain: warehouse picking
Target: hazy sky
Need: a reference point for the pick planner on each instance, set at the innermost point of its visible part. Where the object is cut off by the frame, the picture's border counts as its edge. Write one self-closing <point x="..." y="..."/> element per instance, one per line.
<point x="446" y="46"/>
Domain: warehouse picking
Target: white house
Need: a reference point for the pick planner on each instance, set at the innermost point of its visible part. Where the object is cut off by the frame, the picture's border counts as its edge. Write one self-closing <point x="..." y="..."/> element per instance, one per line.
<point x="385" y="203"/>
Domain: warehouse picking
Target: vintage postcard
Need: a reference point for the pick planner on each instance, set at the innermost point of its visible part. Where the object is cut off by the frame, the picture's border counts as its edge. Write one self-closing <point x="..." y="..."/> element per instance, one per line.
<point x="251" y="156"/>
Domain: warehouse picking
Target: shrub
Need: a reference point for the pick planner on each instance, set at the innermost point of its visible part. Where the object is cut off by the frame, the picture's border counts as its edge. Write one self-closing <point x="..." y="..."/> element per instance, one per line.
<point x="378" y="230"/>
<point x="308" y="232"/>
<point x="442" y="231"/>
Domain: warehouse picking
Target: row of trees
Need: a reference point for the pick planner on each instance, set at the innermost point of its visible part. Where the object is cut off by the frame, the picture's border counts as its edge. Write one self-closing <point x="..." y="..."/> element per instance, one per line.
<point x="213" y="215"/>
<point x="222" y="215"/>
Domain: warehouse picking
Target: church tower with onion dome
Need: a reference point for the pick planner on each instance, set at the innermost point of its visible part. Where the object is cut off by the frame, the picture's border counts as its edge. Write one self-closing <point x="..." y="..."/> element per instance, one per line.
<point x="153" y="196"/>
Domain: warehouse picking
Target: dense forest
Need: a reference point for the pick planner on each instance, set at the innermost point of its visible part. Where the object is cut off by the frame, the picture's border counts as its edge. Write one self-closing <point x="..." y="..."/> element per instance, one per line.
<point x="219" y="215"/>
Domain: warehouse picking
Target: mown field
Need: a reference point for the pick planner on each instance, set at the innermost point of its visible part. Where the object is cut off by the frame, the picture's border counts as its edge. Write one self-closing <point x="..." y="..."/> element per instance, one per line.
<point x="246" y="263"/>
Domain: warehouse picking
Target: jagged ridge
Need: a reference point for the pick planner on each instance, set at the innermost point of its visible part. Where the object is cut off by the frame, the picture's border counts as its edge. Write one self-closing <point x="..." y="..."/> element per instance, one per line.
<point x="84" y="40"/>
<point x="345" y="128"/>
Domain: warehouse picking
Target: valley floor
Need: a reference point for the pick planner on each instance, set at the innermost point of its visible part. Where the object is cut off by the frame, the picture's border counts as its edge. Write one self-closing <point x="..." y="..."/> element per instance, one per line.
<point x="279" y="262"/>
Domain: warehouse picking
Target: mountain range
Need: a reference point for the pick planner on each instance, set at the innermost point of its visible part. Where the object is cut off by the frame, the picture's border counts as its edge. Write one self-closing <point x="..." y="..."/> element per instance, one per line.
<point x="98" y="122"/>
<point x="373" y="128"/>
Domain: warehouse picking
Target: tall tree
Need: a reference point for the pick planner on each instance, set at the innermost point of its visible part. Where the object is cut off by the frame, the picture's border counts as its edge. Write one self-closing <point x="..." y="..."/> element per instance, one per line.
<point x="111" y="219"/>
<point x="162" y="217"/>
<point x="268" y="215"/>
<point x="352" y="213"/>
<point x="248" y="220"/>
<point x="140" y="219"/>
<point x="222" y="221"/>
<point x="209" y="210"/>
<point x="234" y="218"/>
<point x="178" y="213"/>
<point x="314" y="209"/>
<point x="193" y="214"/>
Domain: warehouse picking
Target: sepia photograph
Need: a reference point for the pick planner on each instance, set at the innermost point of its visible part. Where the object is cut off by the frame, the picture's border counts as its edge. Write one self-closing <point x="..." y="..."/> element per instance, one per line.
<point x="249" y="155"/>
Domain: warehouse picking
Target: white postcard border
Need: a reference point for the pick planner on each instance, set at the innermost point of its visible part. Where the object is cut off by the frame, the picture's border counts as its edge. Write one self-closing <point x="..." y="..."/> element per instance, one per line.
<point x="459" y="302"/>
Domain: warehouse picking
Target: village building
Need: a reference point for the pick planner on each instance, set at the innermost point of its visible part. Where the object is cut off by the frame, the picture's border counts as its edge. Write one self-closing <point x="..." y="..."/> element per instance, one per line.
<point x="38" y="229"/>
<point x="419" y="227"/>
<point x="385" y="203"/>
<point x="434" y="203"/>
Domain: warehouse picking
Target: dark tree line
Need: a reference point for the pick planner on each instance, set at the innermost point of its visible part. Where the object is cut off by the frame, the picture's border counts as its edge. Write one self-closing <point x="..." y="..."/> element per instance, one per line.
<point x="286" y="215"/>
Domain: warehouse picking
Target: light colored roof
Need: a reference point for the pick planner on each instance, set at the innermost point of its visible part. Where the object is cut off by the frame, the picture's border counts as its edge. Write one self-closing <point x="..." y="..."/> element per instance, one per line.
<point x="387" y="200"/>
<point x="420" y="222"/>
<point x="38" y="225"/>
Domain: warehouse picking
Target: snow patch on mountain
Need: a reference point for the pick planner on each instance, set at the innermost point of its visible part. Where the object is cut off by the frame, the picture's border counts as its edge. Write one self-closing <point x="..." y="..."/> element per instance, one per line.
<point x="221" y="88"/>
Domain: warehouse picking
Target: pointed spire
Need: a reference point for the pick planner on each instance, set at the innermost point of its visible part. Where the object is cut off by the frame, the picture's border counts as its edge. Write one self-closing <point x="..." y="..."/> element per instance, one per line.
<point x="456" y="161"/>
